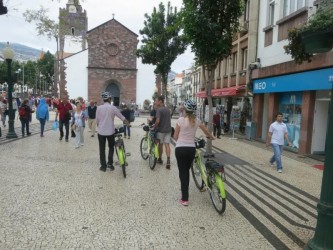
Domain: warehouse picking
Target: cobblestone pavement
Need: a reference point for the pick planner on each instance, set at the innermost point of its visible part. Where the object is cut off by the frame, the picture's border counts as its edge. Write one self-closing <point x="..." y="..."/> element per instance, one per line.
<point x="54" y="197"/>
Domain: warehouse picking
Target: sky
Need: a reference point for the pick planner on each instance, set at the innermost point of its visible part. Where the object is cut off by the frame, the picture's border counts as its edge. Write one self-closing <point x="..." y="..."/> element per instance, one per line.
<point x="130" y="13"/>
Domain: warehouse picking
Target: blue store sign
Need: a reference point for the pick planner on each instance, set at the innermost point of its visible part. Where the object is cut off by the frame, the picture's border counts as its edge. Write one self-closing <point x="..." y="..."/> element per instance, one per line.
<point x="310" y="80"/>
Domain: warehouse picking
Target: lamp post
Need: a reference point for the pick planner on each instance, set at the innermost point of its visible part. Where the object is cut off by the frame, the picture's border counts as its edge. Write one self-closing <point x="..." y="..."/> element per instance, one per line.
<point x="8" y="55"/>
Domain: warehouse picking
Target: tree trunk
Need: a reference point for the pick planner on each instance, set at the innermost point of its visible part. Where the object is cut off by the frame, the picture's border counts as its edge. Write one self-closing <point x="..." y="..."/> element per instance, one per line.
<point x="210" y="105"/>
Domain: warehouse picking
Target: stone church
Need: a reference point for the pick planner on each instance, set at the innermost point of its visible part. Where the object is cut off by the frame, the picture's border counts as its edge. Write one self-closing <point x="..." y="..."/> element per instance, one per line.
<point x="108" y="64"/>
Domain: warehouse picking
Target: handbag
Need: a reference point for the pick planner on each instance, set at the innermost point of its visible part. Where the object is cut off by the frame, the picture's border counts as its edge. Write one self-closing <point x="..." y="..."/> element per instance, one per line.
<point x="55" y="125"/>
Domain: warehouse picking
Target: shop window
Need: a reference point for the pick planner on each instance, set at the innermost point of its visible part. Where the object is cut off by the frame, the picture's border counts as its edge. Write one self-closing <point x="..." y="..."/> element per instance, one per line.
<point x="291" y="108"/>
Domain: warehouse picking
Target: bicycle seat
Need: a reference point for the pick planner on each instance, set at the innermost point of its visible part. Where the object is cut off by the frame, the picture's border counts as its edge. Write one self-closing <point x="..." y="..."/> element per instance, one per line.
<point x="219" y="167"/>
<point x="200" y="143"/>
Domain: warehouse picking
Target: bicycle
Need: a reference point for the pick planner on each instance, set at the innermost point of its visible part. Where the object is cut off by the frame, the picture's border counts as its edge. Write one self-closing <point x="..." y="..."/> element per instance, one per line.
<point x="120" y="149"/>
<point x="209" y="175"/>
<point x="148" y="147"/>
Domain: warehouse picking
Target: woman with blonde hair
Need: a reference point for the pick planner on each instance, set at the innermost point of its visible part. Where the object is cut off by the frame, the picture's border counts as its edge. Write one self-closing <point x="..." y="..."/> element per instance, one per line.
<point x="185" y="147"/>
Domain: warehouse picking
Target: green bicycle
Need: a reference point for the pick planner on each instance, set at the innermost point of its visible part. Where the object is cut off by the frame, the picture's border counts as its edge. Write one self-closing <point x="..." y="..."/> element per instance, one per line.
<point x="120" y="149"/>
<point x="210" y="176"/>
<point x="148" y="147"/>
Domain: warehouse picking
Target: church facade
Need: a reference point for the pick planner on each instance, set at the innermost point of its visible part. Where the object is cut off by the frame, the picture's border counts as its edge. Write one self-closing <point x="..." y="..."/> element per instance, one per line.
<point x="108" y="64"/>
<point x="112" y="62"/>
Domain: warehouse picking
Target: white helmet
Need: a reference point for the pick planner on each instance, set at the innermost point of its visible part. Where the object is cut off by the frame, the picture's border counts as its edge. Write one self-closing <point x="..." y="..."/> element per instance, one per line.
<point x="190" y="105"/>
<point x="105" y="95"/>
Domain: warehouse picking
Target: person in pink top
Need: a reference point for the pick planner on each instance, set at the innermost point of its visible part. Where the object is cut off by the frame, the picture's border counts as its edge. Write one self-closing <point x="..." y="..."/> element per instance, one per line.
<point x="105" y="122"/>
<point x="185" y="147"/>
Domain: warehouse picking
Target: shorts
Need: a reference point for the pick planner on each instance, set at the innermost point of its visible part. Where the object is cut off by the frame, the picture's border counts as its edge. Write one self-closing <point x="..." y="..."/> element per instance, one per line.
<point x="164" y="137"/>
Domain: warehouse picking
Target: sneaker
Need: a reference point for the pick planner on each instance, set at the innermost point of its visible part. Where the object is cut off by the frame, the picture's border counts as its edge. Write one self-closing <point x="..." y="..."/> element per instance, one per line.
<point x="102" y="169"/>
<point x="159" y="161"/>
<point x="184" y="203"/>
<point x="60" y="138"/>
<point x="271" y="164"/>
<point x="110" y="166"/>
<point x="125" y="136"/>
<point x="28" y="133"/>
<point x="67" y="140"/>
<point x="82" y="144"/>
<point x="128" y="138"/>
<point x="168" y="165"/>
<point x="92" y="135"/>
<point x="77" y="146"/>
<point x="279" y="170"/>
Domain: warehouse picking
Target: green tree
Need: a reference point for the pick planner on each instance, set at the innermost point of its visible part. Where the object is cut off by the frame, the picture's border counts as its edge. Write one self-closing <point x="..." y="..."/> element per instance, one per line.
<point x="210" y="26"/>
<point x="46" y="67"/>
<point x="45" y="27"/>
<point x="162" y="41"/>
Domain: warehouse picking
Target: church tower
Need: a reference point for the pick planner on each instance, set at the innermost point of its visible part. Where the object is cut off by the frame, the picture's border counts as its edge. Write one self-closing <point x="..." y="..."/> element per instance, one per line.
<point x="73" y="26"/>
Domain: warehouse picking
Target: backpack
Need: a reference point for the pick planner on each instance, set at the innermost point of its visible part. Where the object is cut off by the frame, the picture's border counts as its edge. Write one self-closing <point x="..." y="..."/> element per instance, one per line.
<point x="22" y="112"/>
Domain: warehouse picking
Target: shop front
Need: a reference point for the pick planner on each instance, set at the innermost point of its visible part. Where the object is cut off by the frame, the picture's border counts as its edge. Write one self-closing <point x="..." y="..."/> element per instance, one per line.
<point x="297" y="97"/>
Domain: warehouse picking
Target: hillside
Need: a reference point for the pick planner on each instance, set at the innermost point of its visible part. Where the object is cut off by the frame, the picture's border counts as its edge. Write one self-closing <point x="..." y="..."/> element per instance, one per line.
<point x="22" y="52"/>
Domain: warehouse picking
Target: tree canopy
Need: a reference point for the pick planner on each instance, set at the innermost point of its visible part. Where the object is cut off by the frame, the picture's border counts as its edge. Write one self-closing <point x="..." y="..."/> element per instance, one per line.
<point x="162" y="40"/>
<point x="210" y="26"/>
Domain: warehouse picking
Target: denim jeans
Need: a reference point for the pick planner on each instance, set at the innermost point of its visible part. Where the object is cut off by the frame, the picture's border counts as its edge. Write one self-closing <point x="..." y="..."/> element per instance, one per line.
<point x="25" y="126"/>
<point x="128" y="130"/>
<point x="61" y="125"/>
<point x="42" y="126"/>
<point x="277" y="149"/>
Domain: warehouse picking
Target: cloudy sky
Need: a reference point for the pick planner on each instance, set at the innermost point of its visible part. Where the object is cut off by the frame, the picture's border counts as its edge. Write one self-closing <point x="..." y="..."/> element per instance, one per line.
<point x="130" y="13"/>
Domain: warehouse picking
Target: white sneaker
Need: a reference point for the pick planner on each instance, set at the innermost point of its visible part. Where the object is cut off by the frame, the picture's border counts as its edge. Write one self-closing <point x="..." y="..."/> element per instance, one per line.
<point x="279" y="170"/>
<point x="271" y="164"/>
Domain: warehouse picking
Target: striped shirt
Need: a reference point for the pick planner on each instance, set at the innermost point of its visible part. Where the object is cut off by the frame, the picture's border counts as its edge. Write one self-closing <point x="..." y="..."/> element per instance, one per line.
<point x="105" y="118"/>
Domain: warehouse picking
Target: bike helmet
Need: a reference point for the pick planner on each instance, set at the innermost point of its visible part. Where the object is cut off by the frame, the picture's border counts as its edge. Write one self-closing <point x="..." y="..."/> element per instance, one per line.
<point x="105" y="95"/>
<point x="190" y="105"/>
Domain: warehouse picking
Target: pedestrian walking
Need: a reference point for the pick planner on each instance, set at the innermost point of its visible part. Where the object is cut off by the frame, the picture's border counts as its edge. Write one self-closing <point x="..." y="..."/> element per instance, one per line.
<point x="277" y="133"/>
<point x="105" y="115"/>
<point x="92" y="118"/>
<point x="185" y="131"/>
<point x="163" y="128"/>
<point x="126" y="112"/>
<point x="25" y="117"/>
<point x="217" y="124"/>
<point x="79" y="125"/>
<point x="4" y="110"/>
<point x="42" y="115"/>
<point x="64" y="109"/>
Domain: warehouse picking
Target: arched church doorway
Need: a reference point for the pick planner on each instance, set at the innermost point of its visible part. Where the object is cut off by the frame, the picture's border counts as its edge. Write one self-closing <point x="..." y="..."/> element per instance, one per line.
<point x="113" y="88"/>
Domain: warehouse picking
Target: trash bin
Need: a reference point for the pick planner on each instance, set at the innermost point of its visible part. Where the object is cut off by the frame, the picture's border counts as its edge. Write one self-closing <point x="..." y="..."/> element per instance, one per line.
<point x="250" y="130"/>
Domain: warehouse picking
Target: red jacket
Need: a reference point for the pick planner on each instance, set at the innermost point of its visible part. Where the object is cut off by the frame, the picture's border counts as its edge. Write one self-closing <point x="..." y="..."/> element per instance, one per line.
<point x="64" y="109"/>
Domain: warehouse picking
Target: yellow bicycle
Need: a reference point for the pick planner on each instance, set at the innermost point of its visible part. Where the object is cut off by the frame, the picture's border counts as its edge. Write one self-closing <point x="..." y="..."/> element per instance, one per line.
<point x="148" y="147"/>
<point x="210" y="176"/>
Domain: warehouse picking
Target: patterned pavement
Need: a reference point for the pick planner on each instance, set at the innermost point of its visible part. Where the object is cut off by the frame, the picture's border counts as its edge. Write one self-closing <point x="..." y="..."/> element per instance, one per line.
<point x="54" y="197"/>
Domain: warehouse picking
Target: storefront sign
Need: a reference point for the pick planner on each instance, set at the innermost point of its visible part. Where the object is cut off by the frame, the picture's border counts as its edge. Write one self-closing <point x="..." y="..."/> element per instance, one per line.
<point x="310" y="80"/>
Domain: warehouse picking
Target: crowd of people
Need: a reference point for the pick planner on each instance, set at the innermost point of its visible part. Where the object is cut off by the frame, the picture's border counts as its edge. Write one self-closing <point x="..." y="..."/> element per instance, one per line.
<point x="72" y="115"/>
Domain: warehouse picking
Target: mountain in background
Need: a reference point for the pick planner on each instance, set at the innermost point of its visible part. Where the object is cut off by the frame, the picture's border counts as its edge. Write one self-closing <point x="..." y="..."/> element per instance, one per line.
<point x="22" y="52"/>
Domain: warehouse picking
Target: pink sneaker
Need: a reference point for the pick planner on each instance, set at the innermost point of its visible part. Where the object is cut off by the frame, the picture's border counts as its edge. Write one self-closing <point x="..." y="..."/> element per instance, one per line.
<point x="184" y="203"/>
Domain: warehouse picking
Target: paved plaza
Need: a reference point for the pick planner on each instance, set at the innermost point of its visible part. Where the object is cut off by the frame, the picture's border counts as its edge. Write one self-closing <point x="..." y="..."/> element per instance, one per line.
<point x="53" y="196"/>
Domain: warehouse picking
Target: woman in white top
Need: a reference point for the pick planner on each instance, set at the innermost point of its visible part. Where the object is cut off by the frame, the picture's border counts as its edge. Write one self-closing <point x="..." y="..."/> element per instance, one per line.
<point x="78" y="125"/>
<point x="185" y="147"/>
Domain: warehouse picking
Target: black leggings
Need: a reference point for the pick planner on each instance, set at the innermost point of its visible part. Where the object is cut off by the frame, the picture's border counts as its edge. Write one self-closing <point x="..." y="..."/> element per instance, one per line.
<point x="185" y="157"/>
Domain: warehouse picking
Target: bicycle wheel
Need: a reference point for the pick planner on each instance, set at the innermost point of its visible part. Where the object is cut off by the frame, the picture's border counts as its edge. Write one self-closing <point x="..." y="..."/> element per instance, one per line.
<point x="217" y="193"/>
<point x="196" y="174"/>
<point x="144" y="148"/>
<point x="152" y="158"/>
<point x="122" y="160"/>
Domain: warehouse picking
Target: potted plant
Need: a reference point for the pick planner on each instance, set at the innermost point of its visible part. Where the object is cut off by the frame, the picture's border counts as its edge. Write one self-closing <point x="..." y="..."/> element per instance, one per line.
<point x="316" y="36"/>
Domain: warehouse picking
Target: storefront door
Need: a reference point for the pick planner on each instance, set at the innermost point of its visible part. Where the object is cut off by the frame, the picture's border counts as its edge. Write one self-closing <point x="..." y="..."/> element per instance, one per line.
<point x="320" y="126"/>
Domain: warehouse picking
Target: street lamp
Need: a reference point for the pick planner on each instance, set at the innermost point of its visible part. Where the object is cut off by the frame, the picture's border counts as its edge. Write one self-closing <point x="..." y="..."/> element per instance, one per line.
<point x="8" y="55"/>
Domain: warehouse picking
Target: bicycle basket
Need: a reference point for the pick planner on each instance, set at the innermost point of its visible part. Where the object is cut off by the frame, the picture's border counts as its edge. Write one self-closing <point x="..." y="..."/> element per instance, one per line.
<point x="146" y="128"/>
<point x="200" y="143"/>
<point x="119" y="130"/>
<point x="219" y="167"/>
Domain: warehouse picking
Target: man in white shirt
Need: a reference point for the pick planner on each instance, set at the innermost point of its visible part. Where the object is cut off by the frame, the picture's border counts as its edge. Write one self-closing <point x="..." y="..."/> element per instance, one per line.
<point x="276" y="134"/>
